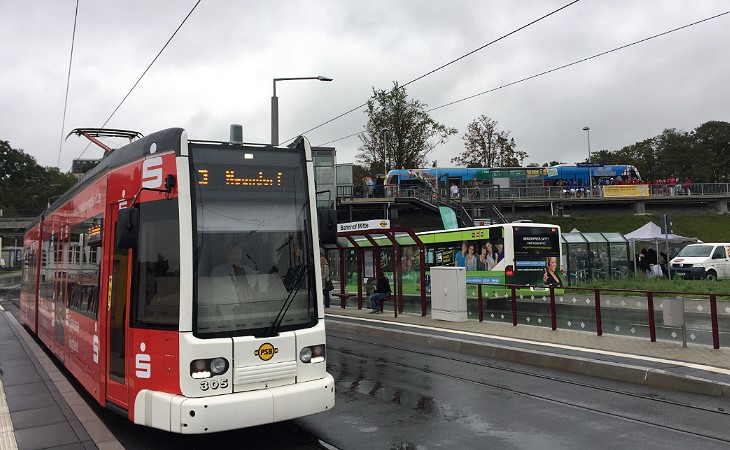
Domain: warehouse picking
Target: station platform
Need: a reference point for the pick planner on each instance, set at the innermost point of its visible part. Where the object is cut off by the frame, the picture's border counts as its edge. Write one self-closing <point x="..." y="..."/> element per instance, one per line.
<point x="39" y="408"/>
<point x="663" y="364"/>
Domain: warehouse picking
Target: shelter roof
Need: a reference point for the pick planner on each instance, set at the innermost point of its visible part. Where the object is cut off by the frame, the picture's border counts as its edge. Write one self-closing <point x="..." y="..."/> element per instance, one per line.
<point x="651" y="232"/>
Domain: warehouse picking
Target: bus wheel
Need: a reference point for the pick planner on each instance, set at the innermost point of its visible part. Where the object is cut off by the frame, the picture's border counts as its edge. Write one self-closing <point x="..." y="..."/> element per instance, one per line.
<point x="711" y="275"/>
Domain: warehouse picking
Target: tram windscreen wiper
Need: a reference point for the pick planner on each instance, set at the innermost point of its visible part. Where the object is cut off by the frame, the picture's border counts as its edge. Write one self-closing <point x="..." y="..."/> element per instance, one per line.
<point x="276" y="324"/>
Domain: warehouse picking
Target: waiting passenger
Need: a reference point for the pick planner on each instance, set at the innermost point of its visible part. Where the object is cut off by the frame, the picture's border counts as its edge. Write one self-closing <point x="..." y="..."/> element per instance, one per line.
<point x="382" y="291"/>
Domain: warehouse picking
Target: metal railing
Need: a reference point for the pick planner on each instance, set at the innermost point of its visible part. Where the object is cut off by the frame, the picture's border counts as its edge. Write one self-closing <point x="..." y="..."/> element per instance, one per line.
<point x="649" y="309"/>
<point x="575" y="306"/>
<point x="434" y="198"/>
<point x="530" y="192"/>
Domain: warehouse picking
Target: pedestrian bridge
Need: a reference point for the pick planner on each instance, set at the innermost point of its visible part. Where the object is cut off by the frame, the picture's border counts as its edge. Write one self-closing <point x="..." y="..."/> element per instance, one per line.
<point x="14" y="222"/>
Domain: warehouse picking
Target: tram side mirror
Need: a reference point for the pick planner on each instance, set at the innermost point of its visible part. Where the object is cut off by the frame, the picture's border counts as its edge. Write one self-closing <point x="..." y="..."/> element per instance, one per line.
<point x="327" y="219"/>
<point x="169" y="182"/>
<point x="127" y="228"/>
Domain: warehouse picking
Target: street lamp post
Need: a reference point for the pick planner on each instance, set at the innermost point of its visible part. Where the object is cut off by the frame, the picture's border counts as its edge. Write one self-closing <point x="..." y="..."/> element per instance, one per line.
<point x="384" y="132"/>
<point x="590" y="169"/>
<point x="275" y="106"/>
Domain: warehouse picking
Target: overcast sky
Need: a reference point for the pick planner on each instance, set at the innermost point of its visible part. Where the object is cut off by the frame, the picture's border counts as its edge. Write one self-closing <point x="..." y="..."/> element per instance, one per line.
<point x="219" y="68"/>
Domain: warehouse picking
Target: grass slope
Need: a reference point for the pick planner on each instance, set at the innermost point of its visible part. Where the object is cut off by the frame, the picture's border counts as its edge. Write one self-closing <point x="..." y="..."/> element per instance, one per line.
<point x="708" y="228"/>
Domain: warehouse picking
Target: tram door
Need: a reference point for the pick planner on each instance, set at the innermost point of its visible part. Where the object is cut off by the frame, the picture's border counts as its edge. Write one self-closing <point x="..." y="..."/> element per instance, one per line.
<point x="116" y="313"/>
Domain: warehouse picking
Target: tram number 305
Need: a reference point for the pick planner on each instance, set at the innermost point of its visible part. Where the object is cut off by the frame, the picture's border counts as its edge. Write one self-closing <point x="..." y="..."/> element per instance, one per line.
<point x="214" y="384"/>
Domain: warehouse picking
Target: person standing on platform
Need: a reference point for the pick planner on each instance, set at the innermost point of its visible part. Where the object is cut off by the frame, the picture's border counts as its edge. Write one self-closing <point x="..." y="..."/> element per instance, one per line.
<point x="325" y="278"/>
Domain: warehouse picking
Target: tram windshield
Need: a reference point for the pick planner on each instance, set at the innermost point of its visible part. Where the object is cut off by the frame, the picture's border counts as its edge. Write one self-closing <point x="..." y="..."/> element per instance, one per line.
<point x="253" y="246"/>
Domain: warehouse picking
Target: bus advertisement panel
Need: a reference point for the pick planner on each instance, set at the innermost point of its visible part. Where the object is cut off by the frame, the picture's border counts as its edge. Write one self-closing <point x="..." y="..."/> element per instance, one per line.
<point x="516" y="253"/>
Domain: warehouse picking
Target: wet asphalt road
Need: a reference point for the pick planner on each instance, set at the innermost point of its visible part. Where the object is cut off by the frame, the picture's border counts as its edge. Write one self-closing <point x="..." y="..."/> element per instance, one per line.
<point x="392" y="397"/>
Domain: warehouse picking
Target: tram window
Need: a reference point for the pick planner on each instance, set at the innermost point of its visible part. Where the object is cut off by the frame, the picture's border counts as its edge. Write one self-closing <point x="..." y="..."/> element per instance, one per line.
<point x="84" y="270"/>
<point x="29" y="271"/>
<point x="156" y="296"/>
<point x="48" y="269"/>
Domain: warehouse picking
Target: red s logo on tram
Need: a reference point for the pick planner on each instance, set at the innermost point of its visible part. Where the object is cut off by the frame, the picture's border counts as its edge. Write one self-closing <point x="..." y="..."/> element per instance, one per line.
<point x="143" y="363"/>
<point x="152" y="172"/>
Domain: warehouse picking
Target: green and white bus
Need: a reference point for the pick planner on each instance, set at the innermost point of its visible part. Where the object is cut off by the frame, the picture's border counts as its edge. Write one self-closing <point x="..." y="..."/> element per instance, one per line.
<point x="521" y="254"/>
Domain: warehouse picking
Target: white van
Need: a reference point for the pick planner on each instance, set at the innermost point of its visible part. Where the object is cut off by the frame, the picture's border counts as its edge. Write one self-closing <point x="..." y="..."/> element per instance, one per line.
<point x="703" y="261"/>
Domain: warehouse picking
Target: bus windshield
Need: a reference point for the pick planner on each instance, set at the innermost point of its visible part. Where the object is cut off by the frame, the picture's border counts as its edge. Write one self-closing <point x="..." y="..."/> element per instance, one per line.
<point x="253" y="235"/>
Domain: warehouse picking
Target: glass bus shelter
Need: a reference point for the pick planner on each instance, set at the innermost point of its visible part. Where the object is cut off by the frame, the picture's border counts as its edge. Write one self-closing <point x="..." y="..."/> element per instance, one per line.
<point x="588" y="256"/>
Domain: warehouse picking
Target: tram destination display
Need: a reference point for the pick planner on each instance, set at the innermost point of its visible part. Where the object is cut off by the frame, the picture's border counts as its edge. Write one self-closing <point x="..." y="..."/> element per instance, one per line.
<point x="252" y="172"/>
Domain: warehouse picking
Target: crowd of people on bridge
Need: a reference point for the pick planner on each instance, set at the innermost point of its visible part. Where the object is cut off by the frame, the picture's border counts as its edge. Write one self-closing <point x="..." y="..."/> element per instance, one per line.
<point x="473" y="189"/>
<point x="671" y="186"/>
<point x="664" y="186"/>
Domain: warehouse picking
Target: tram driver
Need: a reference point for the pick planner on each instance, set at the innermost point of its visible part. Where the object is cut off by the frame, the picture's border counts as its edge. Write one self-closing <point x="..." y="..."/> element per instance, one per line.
<point x="239" y="280"/>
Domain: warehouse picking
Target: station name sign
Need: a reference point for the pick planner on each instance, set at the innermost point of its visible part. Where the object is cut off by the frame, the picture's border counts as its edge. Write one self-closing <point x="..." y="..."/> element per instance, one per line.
<point x="366" y="225"/>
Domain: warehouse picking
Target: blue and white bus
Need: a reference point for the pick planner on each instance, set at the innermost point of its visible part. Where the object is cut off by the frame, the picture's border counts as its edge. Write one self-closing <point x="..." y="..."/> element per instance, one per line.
<point x="582" y="174"/>
<point x="460" y="176"/>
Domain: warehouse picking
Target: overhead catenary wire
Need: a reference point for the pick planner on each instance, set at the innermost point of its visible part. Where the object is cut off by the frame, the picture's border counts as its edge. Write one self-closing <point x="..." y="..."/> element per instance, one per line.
<point x="446" y="64"/>
<point x="68" y="82"/>
<point x="579" y="61"/>
<point x="558" y="68"/>
<point x="146" y="70"/>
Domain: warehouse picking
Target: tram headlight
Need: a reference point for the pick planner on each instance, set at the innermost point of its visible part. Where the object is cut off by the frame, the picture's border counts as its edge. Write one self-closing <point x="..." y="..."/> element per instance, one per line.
<point x="306" y="355"/>
<point x="312" y="354"/>
<point x="206" y="368"/>
<point x="218" y="366"/>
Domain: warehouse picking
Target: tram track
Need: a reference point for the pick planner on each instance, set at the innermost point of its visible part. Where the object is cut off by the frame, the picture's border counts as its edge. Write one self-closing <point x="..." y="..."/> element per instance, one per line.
<point x="534" y="374"/>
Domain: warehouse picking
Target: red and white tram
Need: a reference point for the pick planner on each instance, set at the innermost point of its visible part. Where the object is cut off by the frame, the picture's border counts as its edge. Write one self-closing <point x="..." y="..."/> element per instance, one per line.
<point x="177" y="281"/>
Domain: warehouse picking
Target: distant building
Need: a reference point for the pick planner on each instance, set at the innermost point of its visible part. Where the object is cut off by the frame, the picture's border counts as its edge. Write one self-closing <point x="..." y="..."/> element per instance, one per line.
<point x="328" y="175"/>
<point x="80" y="166"/>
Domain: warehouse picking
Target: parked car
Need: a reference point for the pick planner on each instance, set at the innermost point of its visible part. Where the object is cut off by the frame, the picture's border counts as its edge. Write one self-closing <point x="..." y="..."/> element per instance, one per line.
<point x="708" y="260"/>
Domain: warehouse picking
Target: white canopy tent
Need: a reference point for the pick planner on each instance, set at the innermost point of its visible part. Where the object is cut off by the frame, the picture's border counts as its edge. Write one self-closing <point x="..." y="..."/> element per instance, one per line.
<point x="652" y="233"/>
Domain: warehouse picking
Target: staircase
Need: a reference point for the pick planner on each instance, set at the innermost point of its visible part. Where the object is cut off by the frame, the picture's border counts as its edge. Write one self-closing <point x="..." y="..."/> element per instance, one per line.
<point x="432" y="200"/>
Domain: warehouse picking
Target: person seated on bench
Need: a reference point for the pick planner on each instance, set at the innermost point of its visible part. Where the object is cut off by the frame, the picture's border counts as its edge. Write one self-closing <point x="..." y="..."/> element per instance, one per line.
<point x="382" y="291"/>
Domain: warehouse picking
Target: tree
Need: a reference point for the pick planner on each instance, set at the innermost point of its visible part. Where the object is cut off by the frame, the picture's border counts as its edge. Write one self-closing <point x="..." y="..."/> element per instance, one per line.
<point x="711" y="144"/>
<point x="552" y="163"/>
<point x="26" y="185"/>
<point x="410" y="134"/>
<point x="603" y="156"/>
<point x="641" y="155"/>
<point x="358" y="173"/>
<point x="486" y="146"/>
